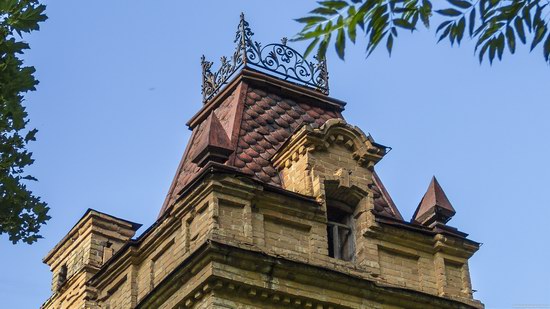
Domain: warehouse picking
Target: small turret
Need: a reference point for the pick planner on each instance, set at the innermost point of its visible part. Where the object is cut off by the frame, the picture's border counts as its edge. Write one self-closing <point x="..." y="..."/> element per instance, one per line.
<point x="94" y="239"/>
<point x="212" y="142"/>
<point x="434" y="208"/>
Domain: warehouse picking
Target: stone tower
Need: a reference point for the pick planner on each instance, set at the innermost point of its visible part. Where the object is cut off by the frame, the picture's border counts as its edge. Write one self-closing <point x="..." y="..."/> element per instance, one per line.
<point x="275" y="204"/>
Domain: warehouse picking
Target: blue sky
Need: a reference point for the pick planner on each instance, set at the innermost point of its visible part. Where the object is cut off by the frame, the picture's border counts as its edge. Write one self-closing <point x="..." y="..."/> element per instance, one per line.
<point x="119" y="80"/>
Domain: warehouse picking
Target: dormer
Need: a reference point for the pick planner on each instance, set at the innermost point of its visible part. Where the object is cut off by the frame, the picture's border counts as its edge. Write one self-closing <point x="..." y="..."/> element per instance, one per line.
<point x="332" y="162"/>
<point x="335" y="164"/>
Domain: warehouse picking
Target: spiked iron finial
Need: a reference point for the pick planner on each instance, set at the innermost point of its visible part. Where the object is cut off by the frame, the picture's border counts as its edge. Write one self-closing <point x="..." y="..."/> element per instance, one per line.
<point x="284" y="40"/>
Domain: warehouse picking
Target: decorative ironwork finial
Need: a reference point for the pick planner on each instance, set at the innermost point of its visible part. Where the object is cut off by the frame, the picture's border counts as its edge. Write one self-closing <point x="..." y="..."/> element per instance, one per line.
<point x="322" y="78"/>
<point x="243" y="38"/>
<point x="284" y="40"/>
<point x="275" y="58"/>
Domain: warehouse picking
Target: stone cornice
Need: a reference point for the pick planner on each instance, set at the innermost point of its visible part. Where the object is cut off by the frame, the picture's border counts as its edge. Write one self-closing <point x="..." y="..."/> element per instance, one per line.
<point x="215" y="252"/>
<point x="422" y="237"/>
<point x="88" y="216"/>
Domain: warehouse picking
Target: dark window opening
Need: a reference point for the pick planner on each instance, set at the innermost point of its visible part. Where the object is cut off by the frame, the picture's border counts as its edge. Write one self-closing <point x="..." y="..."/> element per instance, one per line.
<point x="62" y="276"/>
<point x="339" y="231"/>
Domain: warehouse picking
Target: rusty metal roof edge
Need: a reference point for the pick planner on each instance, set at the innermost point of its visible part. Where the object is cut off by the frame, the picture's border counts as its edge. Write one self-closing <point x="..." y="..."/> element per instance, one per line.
<point x="250" y="74"/>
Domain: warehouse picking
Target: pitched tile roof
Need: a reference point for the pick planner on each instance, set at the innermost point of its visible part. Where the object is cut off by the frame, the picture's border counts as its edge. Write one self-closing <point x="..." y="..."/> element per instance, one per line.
<point x="268" y="120"/>
<point x="383" y="203"/>
<point x="258" y="121"/>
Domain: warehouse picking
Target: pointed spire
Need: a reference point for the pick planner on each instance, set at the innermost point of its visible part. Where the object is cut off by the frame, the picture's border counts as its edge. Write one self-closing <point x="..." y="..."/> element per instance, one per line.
<point x="212" y="143"/>
<point x="434" y="207"/>
<point x="243" y="39"/>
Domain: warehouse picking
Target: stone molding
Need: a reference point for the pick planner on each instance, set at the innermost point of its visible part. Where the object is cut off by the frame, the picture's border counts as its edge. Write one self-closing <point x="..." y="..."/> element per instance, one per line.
<point x="309" y="139"/>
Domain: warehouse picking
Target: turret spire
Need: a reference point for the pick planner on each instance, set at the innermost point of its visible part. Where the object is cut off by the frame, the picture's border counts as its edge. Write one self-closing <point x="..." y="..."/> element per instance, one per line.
<point x="213" y="143"/>
<point x="434" y="207"/>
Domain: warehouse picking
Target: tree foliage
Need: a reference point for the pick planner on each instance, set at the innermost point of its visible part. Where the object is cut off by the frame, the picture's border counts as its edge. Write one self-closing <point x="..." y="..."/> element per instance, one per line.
<point x="21" y="213"/>
<point x="492" y="24"/>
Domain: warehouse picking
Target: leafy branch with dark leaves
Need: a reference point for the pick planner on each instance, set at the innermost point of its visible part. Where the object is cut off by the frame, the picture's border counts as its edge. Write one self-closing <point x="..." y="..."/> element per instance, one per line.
<point x="21" y="212"/>
<point x="492" y="24"/>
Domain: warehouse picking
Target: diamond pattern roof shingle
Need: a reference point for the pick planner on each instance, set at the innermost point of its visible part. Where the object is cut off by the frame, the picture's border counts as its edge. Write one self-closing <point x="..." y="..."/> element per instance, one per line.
<point x="268" y="120"/>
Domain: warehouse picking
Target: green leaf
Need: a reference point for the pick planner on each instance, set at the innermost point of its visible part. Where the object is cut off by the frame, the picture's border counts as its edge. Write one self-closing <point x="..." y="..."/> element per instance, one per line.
<point x="415" y="17"/>
<point x="482" y="51"/>
<point x="7" y="5"/>
<point x="31" y="135"/>
<point x="425" y="17"/>
<point x="489" y="32"/>
<point x="482" y="9"/>
<point x="21" y="212"/>
<point x="527" y="16"/>
<point x="28" y="19"/>
<point x="311" y="19"/>
<point x="29" y="177"/>
<point x="378" y="28"/>
<point x="324" y="11"/>
<point x="500" y="45"/>
<point x="452" y="34"/>
<point x="311" y="46"/>
<point x="337" y="5"/>
<point x="472" y="22"/>
<point x="460" y="3"/>
<point x="492" y="50"/>
<point x="427" y="4"/>
<point x="389" y="44"/>
<point x="538" y="13"/>
<point x="351" y="11"/>
<point x="340" y="21"/>
<point x="403" y="24"/>
<point x="508" y="12"/>
<point x="445" y="33"/>
<point x="361" y="20"/>
<point x="340" y="43"/>
<point x="322" y="51"/>
<point x="328" y="28"/>
<point x="518" y="23"/>
<point x="449" y="12"/>
<point x="460" y="29"/>
<point x="443" y="25"/>
<point x="352" y="32"/>
<point x="546" y="49"/>
<point x="307" y="36"/>
<point x="511" y="38"/>
<point x="540" y="31"/>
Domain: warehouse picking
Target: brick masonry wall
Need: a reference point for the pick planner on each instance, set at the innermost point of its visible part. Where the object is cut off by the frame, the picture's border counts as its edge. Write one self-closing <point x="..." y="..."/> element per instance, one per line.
<point x="279" y="226"/>
<point x="228" y="210"/>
